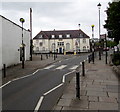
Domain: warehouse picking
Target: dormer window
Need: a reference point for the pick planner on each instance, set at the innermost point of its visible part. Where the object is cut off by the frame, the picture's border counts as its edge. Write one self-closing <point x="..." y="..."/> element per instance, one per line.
<point x="68" y="35"/>
<point x="81" y="35"/>
<point x="60" y="36"/>
<point x="41" y="36"/>
<point x="53" y="36"/>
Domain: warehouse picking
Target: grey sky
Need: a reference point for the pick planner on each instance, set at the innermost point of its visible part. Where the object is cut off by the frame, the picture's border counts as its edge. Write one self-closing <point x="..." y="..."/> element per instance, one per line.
<point x="59" y="15"/>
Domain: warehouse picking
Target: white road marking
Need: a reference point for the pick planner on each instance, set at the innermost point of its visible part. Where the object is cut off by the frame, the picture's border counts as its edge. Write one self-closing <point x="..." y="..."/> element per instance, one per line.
<point x="63" y="80"/>
<point x="5" y="84"/>
<point x="61" y="67"/>
<point x="35" y="71"/>
<point x="53" y="89"/>
<point x="48" y="67"/>
<point x="19" y="78"/>
<point x="39" y="104"/>
<point x="74" y="67"/>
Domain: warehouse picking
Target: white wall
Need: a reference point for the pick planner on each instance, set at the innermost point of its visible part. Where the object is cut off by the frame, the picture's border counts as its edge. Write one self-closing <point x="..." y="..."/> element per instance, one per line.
<point x="11" y="41"/>
<point x="0" y="42"/>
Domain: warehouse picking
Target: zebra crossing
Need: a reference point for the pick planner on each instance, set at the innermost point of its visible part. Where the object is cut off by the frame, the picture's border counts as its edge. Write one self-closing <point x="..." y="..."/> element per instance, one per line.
<point x="60" y="67"/>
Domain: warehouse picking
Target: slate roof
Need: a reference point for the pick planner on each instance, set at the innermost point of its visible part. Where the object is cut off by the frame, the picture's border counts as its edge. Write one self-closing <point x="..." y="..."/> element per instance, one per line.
<point x="72" y="33"/>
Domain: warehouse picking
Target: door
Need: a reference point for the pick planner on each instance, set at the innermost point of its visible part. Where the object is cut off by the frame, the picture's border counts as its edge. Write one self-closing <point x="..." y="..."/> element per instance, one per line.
<point x="60" y="50"/>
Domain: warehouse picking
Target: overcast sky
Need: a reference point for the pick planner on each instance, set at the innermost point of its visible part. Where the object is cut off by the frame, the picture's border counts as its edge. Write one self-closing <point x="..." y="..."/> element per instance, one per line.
<point x="57" y="14"/>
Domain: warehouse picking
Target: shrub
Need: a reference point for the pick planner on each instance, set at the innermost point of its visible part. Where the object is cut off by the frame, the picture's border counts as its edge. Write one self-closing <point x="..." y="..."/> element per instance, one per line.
<point x="116" y="58"/>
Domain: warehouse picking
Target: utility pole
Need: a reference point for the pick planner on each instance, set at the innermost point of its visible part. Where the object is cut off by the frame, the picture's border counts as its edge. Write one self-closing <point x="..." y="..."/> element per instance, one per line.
<point x="31" y="42"/>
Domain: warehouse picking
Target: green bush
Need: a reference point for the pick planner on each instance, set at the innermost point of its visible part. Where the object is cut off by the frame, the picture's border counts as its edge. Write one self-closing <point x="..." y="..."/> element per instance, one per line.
<point x="116" y="59"/>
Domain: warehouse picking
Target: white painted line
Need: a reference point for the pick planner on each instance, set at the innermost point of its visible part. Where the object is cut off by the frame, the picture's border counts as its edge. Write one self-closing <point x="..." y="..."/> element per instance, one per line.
<point x="39" y="104"/>
<point x="22" y="77"/>
<point x="74" y="67"/>
<point x="61" y="67"/>
<point x="49" y="67"/>
<point x="53" y="89"/>
<point x="35" y="72"/>
<point x="63" y="80"/>
<point x="5" y="84"/>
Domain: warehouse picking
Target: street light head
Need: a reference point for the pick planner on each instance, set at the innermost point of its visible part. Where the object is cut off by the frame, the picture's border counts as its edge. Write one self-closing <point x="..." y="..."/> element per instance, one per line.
<point x="92" y="26"/>
<point x="99" y="5"/>
<point x="22" y="20"/>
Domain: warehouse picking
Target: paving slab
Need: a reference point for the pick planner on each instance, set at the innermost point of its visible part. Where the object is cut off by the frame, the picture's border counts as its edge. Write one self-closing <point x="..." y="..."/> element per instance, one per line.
<point x="96" y="93"/>
<point x="108" y="99"/>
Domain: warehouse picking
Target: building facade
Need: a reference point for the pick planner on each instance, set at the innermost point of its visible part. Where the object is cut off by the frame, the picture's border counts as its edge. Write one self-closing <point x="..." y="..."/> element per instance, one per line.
<point x="61" y="41"/>
<point x="10" y="42"/>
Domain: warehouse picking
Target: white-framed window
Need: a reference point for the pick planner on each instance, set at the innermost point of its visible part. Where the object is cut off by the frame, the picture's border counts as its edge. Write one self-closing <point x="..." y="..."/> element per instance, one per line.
<point x="37" y="41"/>
<point x="41" y="36"/>
<point x="68" y="35"/>
<point x="81" y="35"/>
<point x="84" y="48"/>
<point x="60" y="36"/>
<point x="84" y="40"/>
<point x="41" y="44"/>
<point x="53" y="36"/>
<point x="67" y="46"/>
<point x="53" y="46"/>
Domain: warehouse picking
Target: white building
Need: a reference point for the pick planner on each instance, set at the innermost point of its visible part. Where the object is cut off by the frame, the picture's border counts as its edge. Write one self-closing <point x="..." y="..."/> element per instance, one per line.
<point x="61" y="41"/>
<point x="10" y="41"/>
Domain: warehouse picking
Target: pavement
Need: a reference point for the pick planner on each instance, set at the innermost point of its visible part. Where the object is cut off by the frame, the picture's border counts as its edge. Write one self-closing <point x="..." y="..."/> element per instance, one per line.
<point x="16" y="71"/>
<point x="99" y="90"/>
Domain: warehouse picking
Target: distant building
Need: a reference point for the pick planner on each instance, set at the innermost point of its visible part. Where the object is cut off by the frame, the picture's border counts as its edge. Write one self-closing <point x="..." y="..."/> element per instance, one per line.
<point x="10" y="42"/>
<point x="61" y="41"/>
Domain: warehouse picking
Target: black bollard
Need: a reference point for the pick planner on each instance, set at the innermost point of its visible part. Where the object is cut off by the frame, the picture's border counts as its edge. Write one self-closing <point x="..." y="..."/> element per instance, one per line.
<point x="99" y="55"/>
<point x="77" y="85"/>
<point x="83" y="68"/>
<point x="46" y="56"/>
<point x="41" y="57"/>
<point x="93" y="57"/>
<point x="89" y="59"/>
<point x="4" y="70"/>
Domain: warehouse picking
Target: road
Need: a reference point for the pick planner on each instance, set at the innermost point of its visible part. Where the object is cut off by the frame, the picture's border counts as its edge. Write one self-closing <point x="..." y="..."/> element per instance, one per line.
<point x="24" y="93"/>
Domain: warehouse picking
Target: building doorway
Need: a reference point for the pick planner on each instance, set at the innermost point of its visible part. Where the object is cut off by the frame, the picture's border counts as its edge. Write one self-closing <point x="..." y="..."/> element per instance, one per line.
<point x="60" y="50"/>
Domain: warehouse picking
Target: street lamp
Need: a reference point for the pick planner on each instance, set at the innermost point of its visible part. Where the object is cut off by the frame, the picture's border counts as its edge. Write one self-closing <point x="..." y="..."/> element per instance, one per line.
<point x="92" y="43"/>
<point x="54" y="46"/>
<point x="99" y="6"/>
<point x="22" y="50"/>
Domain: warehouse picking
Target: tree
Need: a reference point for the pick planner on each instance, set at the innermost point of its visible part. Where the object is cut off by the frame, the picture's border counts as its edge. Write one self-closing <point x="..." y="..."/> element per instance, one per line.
<point x="113" y="21"/>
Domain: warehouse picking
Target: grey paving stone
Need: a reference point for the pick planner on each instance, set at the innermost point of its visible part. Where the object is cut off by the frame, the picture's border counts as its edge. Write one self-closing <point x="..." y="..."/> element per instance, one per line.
<point x="115" y="95"/>
<point x="79" y="103"/>
<point x="96" y="86"/>
<point x="64" y="102"/>
<point x="96" y="93"/>
<point x="84" y="98"/>
<point x="107" y="99"/>
<point x="103" y="106"/>
<point x="93" y="99"/>
<point x="68" y="96"/>
<point x="94" y="89"/>
<point x="58" y="108"/>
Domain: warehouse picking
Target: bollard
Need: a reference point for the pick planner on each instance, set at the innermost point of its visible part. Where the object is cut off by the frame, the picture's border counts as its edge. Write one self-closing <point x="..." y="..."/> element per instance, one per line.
<point x="89" y="59"/>
<point x="83" y="68"/>
<point x="4" y="70"/>
<point x="106" y="57"/>
<point x="93" y="57"/>
<point x="46" y="56"/>
<point x="41" y="57"/>
<point x="77" y="85"/>
<point x="99" y="55"/>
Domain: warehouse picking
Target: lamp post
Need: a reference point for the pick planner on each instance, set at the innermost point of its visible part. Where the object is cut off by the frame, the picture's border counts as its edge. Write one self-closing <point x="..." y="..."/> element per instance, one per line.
<point x="99" y="6"/>
<point x="22" y="54"/>
<point x="92" y="43"/>
<point x="54" y="46"/>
